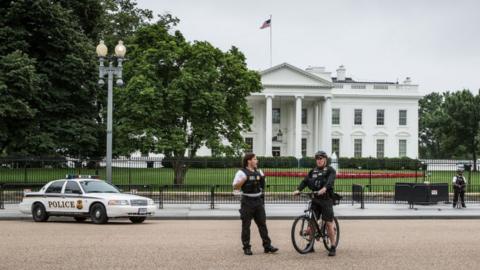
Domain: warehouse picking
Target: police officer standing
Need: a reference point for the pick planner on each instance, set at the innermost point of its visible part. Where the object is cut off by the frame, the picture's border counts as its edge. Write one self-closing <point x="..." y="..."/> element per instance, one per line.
<point x="459" y="183"/>
<point x="321" y="180"/>
<point x="252" y="184"/>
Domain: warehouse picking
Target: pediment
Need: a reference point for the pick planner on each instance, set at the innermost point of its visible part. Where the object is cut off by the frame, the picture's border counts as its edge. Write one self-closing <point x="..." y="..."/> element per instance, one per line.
<point x="286" y="74"/>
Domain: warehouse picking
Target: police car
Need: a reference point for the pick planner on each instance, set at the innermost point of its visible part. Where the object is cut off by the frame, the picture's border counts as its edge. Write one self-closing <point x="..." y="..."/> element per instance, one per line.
<point x="85" y="197"/>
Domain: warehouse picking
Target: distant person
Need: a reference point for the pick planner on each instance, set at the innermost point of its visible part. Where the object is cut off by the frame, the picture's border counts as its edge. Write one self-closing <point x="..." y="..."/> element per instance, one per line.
<point x="459" y="184"/>
<point x="251" y="182"/>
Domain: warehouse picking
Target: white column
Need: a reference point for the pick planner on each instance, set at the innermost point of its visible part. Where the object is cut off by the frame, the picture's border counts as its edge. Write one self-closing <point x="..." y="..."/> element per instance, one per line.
<point x="298" y="126"/>
<point x="327" y="125"/>
<point x="268" y="126"/>
<point x="316" y="124"/>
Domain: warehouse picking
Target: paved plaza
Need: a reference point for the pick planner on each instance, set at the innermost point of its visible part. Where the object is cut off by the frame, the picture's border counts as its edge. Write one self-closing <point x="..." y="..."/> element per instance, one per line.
<point x="215" y="244"/>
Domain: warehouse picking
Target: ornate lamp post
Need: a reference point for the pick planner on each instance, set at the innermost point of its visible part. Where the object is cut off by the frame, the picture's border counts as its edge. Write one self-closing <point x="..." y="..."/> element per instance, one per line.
<point x="110" y="71"/>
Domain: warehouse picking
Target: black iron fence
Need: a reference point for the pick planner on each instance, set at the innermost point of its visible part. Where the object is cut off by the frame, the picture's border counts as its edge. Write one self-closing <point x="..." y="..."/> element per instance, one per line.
<point x="209" y="181"/>
<point x="213" y="195"/>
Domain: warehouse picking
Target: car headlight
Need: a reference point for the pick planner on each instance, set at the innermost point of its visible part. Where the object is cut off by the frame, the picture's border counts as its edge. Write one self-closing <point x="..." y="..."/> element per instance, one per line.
<point x="151" y="202"/>
<point x="118" y="202"/>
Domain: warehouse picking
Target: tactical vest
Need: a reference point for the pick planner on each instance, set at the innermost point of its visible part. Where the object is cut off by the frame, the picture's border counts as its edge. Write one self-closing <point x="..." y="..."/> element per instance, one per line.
<point x="460" y="181"/>
<point x="318" y="178"/>
<point x="253" y="183"/>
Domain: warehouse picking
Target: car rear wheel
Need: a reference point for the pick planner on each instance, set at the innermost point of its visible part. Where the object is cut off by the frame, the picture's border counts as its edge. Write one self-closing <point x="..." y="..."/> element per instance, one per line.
<point x="39" y="213"/>
<point x="98" y="214"/>
<point x="137" y="219"/>
<point x="80" y="219"/>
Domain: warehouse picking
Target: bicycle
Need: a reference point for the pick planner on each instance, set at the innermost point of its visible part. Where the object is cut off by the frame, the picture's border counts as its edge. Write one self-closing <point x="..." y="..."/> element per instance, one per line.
<point x="307" y="229"/>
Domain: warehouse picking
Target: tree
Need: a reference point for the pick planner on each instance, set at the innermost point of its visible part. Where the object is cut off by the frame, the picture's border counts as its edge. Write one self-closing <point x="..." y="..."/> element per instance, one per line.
<point x="431" y="118"/>
<point x="181" y="96"/>
<point x="62" y="62"/>
<point x="462" y="128"/>
<point x="19" y="86"/>
<point x="63" y="106"/>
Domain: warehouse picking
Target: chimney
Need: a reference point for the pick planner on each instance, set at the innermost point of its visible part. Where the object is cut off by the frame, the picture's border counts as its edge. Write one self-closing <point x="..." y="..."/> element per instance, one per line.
<point x="320" y="72"/>
<point x="341" y="73"/>
<point x="407" y="81"/>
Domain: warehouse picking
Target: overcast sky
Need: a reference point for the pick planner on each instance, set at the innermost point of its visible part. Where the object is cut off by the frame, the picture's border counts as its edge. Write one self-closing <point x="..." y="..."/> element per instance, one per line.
<point x="435" y="42"/>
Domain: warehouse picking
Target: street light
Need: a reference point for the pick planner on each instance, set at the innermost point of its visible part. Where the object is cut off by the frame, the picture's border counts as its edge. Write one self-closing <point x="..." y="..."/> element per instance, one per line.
<point x="102" y="52"/>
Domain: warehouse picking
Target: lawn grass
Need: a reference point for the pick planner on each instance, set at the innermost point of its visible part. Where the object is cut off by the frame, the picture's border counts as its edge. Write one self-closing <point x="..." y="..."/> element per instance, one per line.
<point x="212" y="176"/>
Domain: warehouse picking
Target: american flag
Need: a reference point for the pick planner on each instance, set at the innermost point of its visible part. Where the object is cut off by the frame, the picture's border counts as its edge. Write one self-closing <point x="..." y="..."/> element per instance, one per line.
<point x="266" y="24"/>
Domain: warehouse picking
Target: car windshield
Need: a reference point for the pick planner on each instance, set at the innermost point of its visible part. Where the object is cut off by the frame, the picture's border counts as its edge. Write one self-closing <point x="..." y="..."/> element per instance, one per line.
<point x="98" y="187"/>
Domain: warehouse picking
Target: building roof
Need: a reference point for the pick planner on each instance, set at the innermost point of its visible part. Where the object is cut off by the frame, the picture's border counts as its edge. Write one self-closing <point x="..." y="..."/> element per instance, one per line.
<point x="350" y="80"/>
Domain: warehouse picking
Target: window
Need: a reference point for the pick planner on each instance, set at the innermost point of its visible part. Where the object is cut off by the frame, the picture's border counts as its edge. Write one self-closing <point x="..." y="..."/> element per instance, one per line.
<point x="72" y="188"/>
<point x="276" y="115"/>
<point x="336" y="146"/>
<point x="379" y="86"/>
<point x="402" y="121"/>
<point x="358" y="117"/>
<point x="249" y="143"/>
<point x="380" y="148"/>
<point x="95" y="186"/>
<point x="357" y="152"/>
<point x="380" y="117"/>
<point x="276" y="151"/>
<point x="402" y="148"/>
<point x="304" y="116"/>
<point x="335" y="116"/>
<point x="304" y="147"/>
<point x="359" y="86"/>
<point x="55" y="187"/>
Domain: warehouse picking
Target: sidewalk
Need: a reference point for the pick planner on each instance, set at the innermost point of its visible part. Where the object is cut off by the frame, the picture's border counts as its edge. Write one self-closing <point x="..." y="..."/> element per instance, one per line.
<point x="289" y="211"/>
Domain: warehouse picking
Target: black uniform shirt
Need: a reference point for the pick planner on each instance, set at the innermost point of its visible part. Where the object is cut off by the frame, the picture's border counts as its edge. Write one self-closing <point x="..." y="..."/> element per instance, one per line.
<point x="318" y="178"/>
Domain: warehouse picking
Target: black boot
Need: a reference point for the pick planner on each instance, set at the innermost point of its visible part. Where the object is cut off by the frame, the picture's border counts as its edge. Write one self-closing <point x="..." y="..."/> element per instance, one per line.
<point x="247" y="251"/>
<point x="270" y="249"/>
<point x="332" y="251"/>
<point x="463" y="205"/>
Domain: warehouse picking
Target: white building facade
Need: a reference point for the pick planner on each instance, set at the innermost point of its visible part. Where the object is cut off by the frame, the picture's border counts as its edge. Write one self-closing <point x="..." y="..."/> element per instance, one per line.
<point x="302" y="111"/>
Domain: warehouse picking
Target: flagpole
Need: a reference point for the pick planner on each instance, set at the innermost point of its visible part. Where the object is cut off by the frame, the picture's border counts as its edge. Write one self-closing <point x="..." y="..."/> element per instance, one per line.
<point x="271" y="26"/>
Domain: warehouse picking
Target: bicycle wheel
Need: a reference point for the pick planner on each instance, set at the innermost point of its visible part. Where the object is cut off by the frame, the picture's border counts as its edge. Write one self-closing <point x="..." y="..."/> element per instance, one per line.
<point x="326" y="238"/>
<point x="303" y="234"/>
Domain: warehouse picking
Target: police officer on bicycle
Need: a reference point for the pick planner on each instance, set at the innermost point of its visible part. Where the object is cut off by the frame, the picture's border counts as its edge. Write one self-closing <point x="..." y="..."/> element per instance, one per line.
<point x="251" y="182"/>
<point x="321" y="180"/>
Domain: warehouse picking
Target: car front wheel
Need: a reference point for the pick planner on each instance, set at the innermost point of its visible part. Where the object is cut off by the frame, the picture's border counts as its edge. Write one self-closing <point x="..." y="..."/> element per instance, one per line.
<point x="39" y="213"/>
<point x="98" y="214"/>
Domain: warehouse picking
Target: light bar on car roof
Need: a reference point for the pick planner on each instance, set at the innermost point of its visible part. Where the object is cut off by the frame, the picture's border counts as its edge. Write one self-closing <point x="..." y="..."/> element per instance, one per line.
<point x="77" y="176"/>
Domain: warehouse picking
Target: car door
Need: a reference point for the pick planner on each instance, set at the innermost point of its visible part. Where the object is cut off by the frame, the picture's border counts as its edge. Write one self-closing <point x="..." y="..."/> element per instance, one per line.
<point x="53" y="197"/>
<point x="73" y="198"/>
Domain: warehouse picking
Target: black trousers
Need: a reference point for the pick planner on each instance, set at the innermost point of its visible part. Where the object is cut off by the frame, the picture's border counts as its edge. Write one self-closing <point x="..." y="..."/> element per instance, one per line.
<point x="253" y="208"/>
<point x="456" y="193"/>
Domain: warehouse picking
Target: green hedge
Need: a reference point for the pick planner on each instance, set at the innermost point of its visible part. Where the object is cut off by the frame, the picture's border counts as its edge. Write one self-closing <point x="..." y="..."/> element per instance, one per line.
<point x="380" y="164"/>
<point x="234" y="162"/>
<point x="306" y="162"/>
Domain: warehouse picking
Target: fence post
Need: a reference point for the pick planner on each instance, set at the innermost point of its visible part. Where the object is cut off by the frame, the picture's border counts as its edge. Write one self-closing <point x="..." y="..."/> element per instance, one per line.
<point x="469" y="178"/>
<point x="25" y="171"/>
<point x="362" y="198"/>
<point x="212" y="197"/>
<point x="129" y="172"/>
<point x="160" y="197"/>
<point x="1" y="197"/>
<point x="424" y="168"/>
<point x="370" y="174"/>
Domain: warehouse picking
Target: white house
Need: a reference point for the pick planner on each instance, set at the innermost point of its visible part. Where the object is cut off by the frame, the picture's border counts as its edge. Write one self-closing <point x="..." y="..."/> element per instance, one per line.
<point x="302" y="111"/>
